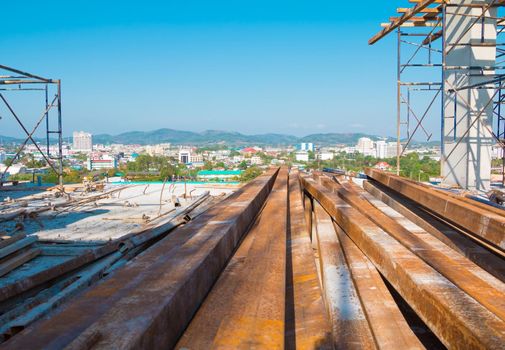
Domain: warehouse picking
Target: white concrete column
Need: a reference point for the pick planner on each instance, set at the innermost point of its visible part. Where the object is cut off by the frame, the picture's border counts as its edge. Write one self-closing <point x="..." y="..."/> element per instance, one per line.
<point x="468" y="164"/>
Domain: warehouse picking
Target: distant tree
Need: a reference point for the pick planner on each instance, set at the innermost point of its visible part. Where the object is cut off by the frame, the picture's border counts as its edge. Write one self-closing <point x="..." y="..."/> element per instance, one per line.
<point x="220" y="165"/>
<point x="250" y="174"/>
<point x="242" y="165"/>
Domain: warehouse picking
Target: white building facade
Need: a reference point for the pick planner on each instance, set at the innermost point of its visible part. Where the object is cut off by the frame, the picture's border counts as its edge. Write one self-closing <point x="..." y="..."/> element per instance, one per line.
<point x="82" y="141"/>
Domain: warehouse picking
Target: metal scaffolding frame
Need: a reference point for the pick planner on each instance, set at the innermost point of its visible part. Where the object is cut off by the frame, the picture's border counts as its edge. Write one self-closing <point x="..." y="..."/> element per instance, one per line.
<point x="424" y="32"/>
<point x="14" y="80"/>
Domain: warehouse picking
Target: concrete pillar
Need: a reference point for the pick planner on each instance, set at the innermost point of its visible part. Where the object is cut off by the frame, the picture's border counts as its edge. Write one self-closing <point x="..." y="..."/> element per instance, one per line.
<point x="469" y="163"/>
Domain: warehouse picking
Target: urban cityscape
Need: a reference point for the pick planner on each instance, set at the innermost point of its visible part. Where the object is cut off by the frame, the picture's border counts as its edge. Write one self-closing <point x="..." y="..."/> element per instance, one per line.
<point x="212" y="162"/>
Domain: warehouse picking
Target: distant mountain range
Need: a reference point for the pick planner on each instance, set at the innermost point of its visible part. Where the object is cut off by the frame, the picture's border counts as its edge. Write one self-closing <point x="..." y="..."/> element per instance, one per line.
<point x="211" y="137"/>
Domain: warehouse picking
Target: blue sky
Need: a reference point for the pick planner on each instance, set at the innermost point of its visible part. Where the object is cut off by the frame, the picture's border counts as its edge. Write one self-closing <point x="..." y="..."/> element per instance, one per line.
<point x="296" y="67"/>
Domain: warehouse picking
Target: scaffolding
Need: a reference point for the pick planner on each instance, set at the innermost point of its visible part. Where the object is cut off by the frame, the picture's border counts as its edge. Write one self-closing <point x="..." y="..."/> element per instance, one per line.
<point x="422" y="44"/>
<point x="15" y="81"/>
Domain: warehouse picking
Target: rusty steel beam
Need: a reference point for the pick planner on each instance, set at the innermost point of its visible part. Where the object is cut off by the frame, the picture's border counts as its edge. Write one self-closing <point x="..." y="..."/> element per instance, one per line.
<point x="482" y="223"/>
<point x="457" y="319"/>
<point x="476" y="282"/>
<point x="246" y="306"/>
<point x="149" y="302"/>
<point x="350" y="326"/>
<point x="21" y="285"/>
<point x="307" y="324"/>
<point x="389" y="327"/>
<point x="460" y="243"/>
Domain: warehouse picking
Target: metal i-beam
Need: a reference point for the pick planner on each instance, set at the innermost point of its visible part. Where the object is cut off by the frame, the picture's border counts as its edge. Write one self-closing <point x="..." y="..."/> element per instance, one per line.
<point x="246" y="304"/>
<point x="485" y="224"/>
<point x="350" y="326"/>
<point x="457" y="319"/>
<point x="149" y="302"/>
<point x="455" y="267"/>
<point x="452" y="238"/>
<point x="307" y="324"/>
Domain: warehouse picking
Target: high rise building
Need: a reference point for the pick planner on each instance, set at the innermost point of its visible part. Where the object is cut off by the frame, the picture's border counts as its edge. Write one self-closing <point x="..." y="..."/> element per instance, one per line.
<point x="306" y="146"/>
<point x="365" y="146"/>
<point x="392" y="150"/>
<point x="381" y="148"/>
<point x="82" y="141"/>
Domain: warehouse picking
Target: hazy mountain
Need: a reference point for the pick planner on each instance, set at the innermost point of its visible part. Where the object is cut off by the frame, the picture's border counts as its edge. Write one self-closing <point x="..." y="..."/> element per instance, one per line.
<point x="215" y="137"/>
<point x="228" y="137"/>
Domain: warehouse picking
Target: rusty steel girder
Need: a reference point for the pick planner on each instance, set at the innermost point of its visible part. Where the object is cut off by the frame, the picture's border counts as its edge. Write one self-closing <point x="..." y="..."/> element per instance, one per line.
<point x="457" y="319"/>
<point x="350" y="326"/>
<point x="389" y="327"/>
<point x="246" y="305"/>
<point x="445" y="233"/>
<point x="459" y="270"/>
<point x="486" y="224"/>
<point x="307" y="324"/>
<point x="149" y="302"/>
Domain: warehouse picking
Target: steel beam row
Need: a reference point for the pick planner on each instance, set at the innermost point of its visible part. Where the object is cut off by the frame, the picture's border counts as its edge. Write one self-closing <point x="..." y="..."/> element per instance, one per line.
<point x="457" y="318"/>
<point x="487" y="224"/>
<point x="148" y="303"/>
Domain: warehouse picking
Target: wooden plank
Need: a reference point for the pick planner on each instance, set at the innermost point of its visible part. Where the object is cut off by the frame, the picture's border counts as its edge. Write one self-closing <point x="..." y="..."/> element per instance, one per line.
<point x="415" y="24"/>
<point x="17" y="261"/>
<point x="418" y="1"/>
<point x="426" y="10"/>
<point x="407" y="15"/>
<point x="416" y="19"/>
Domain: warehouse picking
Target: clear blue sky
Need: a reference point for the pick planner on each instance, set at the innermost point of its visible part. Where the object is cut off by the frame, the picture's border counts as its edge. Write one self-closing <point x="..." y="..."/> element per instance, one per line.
<point x="295" y="67"/>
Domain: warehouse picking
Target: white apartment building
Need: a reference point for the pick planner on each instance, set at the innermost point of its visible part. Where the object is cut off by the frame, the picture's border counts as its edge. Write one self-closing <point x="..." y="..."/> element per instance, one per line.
<point x="3" y="156"/>
<point x="365" y="146"/>
<point x="256" y="160"/>
<point x="196" y="158"/>
<point x="82" y="141"/>
<point x="392" y="150"/>
<point x="101" y="161"/>
<point x="158" y="150"/>
<point x="302" y="156"/>
<point x="325" y="155"/>
<point x="381" y="148"/>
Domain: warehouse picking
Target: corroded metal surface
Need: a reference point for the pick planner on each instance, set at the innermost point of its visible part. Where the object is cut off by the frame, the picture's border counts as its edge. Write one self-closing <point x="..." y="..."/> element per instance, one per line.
<point x="350" y="327"/>
<point x="459" y="270"/>
<point x="388" y="325"/>
<point x="484" y="223"/>
<point x="149" y="302"/>
<point x="246" y="307"/>
<point x="307" y="325"/>
<point x="457" y="319"/>
<point x="454" y="239"/>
